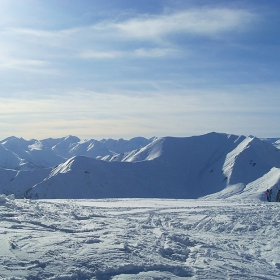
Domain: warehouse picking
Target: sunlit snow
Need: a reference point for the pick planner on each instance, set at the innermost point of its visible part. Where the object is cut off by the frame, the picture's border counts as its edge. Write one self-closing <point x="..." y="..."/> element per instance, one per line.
<point x="139" y="239"/>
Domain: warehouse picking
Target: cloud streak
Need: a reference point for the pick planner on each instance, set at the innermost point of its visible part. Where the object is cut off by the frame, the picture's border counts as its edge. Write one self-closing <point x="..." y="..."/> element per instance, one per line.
<point x="204" y="22"/>
<point x="201" y="22"/>
<point x="23" y="64"/>
<point x="103" y="115"/>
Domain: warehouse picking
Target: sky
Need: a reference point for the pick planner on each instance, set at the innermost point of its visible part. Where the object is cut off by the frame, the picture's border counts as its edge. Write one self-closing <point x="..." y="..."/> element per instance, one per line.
<point x="121" y="69"/>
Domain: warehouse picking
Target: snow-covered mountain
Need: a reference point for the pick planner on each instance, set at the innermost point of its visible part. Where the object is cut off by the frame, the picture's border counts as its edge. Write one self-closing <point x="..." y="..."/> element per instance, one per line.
<point x="20" y="154"/>
<point x="27" y="155"/>
<point x="213" y="165"/>
<point x="274" y="141"/>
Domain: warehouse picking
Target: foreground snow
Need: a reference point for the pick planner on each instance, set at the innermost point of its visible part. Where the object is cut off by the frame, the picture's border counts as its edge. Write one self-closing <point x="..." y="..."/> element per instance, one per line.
<point x="138" y="239"/>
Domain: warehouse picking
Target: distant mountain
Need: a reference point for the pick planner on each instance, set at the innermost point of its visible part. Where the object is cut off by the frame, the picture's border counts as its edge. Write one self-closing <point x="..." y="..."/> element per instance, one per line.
<point x="109" y="150"/>
<point x="20" y="154"/>
<point x="31" y="154"/>
<point x="274" y="141"/>
<point x="214" y="165"/>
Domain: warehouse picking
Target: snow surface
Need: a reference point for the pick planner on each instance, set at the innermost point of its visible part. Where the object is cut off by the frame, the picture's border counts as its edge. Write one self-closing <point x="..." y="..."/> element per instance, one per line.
<point x="139" y="239"/>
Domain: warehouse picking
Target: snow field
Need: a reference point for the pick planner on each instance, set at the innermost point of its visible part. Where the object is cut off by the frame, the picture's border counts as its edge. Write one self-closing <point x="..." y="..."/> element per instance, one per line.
<point x="138" y="239"/>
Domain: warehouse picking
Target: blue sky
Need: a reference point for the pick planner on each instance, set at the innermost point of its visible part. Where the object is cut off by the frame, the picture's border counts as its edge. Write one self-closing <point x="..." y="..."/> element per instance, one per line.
<point x="112" y="69"/>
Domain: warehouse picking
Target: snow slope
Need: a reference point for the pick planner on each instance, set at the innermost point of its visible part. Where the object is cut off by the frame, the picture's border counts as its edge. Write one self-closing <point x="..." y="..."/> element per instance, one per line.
<point x="274" y="141"/>
<point x="18" y="182"/>
<point x="9" y="159"/>
<point x="27" y="155"/>
<point x="108" y="149"/>
<point x="213" y="165"/>
<point x="192" y="167"/>
<point x="137" y="239"/>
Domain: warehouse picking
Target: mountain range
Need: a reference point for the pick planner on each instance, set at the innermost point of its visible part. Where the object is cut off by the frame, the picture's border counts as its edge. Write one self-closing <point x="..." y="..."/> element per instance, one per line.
<point x="212" y="166"/>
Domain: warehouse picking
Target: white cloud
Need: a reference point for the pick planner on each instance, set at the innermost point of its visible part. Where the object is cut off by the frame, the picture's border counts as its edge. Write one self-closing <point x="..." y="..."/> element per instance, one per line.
<point x="23" y="64"/>
<point x="105" y="40"/>
<point x="154" y="52"/>
<point x="140" y="52"/>
<point x="99" y="54"/>
<point x="42" y="34"/>
<point x="207" y="22"/>
<point x="182" y="112"/>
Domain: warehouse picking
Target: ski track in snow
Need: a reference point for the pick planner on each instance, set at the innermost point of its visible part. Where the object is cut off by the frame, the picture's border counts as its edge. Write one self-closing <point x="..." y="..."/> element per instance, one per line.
<point x="138" y="239"/>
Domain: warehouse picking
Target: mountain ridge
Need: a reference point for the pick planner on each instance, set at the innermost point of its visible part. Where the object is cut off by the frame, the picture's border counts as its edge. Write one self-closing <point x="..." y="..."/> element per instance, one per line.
<point x="206" y="165"/>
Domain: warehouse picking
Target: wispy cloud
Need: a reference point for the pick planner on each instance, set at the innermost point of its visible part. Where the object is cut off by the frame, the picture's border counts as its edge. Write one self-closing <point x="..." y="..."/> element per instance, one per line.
<point x="155" y="52"/>
<point x="206" y="22"/>
<point x="42" y="34"/>
<point x="124" y="115"/>
<point x="23" y="64"/>
<point x="140" y="52"/>
<point x="105" y="35"/>
<point x="92" y="54"/>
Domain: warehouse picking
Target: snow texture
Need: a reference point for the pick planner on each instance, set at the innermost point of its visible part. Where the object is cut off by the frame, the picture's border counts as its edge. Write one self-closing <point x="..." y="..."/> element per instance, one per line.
<point x="139" y="239"/>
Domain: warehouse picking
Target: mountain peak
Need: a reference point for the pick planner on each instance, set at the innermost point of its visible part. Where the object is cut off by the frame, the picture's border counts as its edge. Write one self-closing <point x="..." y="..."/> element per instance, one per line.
<point x="213" y="164"/>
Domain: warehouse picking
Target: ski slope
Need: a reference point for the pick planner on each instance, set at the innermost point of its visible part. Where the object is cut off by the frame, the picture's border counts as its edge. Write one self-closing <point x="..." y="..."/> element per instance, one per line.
<point x="139" y="239"/>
